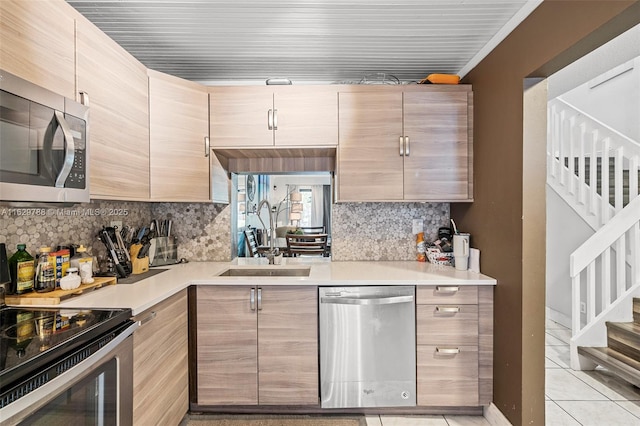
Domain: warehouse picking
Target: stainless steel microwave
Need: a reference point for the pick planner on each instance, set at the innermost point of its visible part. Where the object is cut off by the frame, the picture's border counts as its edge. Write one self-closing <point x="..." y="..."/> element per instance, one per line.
<point x="44" y="144"/>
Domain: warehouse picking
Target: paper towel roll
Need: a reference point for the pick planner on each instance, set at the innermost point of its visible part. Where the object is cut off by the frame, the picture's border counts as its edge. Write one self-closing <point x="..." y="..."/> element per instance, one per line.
<point x="474" y="260"/>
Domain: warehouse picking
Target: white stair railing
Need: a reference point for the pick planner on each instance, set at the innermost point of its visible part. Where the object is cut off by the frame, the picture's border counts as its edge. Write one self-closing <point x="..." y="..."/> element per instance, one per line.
<point x="582" y="154"/>
<point x="605" y="275"/>
<point x="574" y="137"/>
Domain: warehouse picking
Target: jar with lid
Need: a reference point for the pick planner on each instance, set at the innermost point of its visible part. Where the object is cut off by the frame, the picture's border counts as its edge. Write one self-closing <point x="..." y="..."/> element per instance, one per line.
<point x="71" y="280"/>
<point x="84" y="262"/>
<point x="45" y="279"/>
<point x="21" y="265"/>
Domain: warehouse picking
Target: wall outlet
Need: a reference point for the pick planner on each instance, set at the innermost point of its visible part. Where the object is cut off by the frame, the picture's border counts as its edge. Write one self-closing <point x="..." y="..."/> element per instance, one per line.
<point x="583" y="308"/>
<point x="417" y="226"/>
<point x="117" y="223"/>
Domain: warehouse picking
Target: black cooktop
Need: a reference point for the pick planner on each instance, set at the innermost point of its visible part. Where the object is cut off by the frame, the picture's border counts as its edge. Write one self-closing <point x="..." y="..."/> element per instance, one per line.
<point x="30" y="338"/>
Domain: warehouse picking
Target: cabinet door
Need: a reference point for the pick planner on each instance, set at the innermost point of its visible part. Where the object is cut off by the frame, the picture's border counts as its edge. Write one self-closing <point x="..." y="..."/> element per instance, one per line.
<point x="38" y="43"/>
<point x="369" y="160"/>
<point x="239" y="116"/>
<point x="447" y="375"/>
<point x="179" y="124"/>
<point x="288" y="346"/>
<point x="306" y="116"/>
<point x="436" y="125"/>
<point x="227" y="356"/>
<point x="117" y="86"/>
<point x="160" y="364"/>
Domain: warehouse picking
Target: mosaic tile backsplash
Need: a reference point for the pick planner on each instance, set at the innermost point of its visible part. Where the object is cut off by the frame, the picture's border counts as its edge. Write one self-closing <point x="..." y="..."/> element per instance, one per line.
<point x="52" y="226"/>
<point x="382" y="231"/>
<point x="360" y="231"/>
<point x="203" y="231"/>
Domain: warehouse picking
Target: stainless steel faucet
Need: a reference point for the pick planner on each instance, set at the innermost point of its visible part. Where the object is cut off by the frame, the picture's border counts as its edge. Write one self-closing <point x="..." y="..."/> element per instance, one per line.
<point x="273" y="251"/>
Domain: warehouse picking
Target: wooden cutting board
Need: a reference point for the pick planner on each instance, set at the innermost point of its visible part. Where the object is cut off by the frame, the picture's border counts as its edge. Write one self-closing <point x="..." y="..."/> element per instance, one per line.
<point x="54" y="297"/>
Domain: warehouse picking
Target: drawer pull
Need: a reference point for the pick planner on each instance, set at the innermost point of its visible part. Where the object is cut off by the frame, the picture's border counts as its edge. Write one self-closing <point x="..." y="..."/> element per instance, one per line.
<point x="148" y="318"/>
<point x="447" y="351"/>
<point x="447" y="289"/>
<point x="448" y="309"/>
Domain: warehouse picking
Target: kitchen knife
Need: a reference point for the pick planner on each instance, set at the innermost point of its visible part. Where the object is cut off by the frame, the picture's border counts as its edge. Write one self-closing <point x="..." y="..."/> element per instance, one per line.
<point x="121" y="272"/>
<point x="144" y="250"/>
<point x="122" y="246"/>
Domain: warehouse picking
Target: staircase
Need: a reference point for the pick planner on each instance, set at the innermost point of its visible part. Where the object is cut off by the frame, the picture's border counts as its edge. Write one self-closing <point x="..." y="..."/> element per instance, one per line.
<point x="605" y="269"/>
<point x="621" y="356"/>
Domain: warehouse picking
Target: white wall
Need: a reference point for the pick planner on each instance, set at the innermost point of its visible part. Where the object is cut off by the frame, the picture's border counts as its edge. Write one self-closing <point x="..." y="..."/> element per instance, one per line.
<point x="612" y="98"/>
<point x="566" y="231"/>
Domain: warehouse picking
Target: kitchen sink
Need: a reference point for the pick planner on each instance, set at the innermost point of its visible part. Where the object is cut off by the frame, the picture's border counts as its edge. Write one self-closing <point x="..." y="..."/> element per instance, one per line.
<point x="265" y="272"/>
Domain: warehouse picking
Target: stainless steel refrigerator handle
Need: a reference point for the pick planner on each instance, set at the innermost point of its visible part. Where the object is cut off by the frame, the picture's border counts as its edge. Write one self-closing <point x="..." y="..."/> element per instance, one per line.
<point x="270" y="119"/>
<point x="259" y="299"/>
<point x="401" y="140"/>
<point x="407" y="144"/>
<point x="252" y="299"/>
<point x="69" y="150"/>
<point x="377" y="301"/>
<point x="275" y="119"/>
<point x="207" y="146"/>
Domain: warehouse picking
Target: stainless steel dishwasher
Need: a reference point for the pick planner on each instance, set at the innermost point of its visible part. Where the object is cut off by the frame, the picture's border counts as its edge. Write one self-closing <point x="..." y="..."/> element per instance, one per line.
<point x="367" y="346"/>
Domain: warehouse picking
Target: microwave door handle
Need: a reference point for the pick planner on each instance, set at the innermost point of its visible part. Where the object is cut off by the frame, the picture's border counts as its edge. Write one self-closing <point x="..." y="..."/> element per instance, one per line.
<point x="69" y="150"/>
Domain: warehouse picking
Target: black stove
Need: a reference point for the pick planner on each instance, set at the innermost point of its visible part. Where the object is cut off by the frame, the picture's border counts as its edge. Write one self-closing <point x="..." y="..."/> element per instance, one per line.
<point x="33" y="338"/>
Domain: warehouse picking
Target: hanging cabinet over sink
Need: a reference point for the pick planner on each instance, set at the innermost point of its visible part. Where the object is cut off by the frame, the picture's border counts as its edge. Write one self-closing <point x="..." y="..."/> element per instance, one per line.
<point x="405" y="143"/>
<point x="274" y="116"/>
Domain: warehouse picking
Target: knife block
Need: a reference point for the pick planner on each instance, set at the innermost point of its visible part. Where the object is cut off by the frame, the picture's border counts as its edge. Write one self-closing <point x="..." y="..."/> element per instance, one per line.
<point x="140" y="266"/>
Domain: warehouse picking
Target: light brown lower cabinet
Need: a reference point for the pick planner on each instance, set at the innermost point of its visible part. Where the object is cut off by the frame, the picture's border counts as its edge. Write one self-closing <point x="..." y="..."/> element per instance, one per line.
<point x="257" y="345"/>
<point x="160" y="363"/>
<point x="454" y="338"/>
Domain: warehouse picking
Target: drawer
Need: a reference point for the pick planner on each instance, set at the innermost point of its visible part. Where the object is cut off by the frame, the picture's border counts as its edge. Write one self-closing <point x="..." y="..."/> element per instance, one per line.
<point x="461" y="294"/>
<point x="447" y="324"/>
<point x="447" y="375"/>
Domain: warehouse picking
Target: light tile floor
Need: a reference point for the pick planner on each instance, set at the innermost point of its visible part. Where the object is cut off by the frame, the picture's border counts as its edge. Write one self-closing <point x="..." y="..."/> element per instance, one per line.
<point x="572" y="398"/>
<point x="585" y="398"/>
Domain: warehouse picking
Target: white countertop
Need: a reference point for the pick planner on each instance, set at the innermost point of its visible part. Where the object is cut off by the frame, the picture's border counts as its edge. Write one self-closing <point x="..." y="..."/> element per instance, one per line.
<point x="150" y="291"/>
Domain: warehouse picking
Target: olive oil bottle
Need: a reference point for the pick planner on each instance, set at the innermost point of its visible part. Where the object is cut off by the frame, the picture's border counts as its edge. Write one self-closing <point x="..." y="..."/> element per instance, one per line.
<point x="22" y="269"/>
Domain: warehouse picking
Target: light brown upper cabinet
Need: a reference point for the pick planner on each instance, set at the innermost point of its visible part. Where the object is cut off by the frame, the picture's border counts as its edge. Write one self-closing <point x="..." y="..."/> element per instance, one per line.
<point x="116" y="86"/>
<point x="405" y="143"/>
<point x="268" y="116"/>
<point x="179" y="151"/>
<point x="37" y="43"/>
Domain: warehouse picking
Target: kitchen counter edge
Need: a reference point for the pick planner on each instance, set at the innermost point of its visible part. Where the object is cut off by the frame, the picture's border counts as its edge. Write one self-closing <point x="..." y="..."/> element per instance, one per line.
<point x="146" y="293"/>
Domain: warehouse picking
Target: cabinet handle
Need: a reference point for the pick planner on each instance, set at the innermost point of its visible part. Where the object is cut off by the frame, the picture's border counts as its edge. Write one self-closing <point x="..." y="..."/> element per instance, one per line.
<point x="445" y="289"/>
<point x="401" y="140"/>
<point x="448" y="309"/>
<point x="207" y="146"/>
<point x="275" y="119"/>
<point x="259" y="299"/>
<point x="84" y="98"/>
<point x="252" y="299"/>
<point x="407" y="147"/>
<point x="270" y="119"/>
<point x="148" y="318"/>
<point x="447" y="351"/>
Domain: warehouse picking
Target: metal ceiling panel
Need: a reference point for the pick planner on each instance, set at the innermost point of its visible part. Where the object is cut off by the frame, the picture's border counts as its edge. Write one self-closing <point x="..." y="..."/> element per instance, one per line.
<point x="304" y="40"/>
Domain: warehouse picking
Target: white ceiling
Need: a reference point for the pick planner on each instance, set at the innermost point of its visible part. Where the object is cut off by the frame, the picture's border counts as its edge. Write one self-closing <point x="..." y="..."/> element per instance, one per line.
<point x="306" y="40"/>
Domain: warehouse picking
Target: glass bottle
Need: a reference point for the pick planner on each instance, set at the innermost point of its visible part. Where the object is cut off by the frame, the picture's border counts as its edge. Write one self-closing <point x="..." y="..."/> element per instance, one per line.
<point x="22" y="269"/>
<point x="45" y="272"/>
